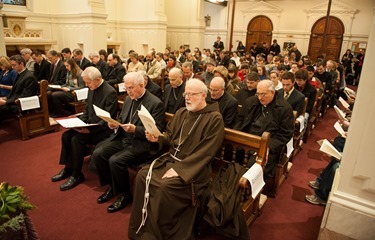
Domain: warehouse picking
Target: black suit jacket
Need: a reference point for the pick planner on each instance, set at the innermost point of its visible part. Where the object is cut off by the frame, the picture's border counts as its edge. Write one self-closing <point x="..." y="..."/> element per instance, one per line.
<point x="310" y="92"/>
<point x="102" y="66"/>
<point x="25" y="85"/>
<point x="154" y="89"/>
<point x="296" y="100"/>
<point x="105" y="97"/>
<point x="85" y="63"/>
<point x="180" y="99"/>
<point x="42" y="70"/>
<point x="115" y="74"/>
<point x="138" y="139"/>
<point x="228" y="108"/>
<point x="59" y="77"/>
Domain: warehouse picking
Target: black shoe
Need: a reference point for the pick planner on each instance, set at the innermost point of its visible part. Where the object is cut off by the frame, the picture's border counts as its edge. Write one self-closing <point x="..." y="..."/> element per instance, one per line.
<point x="121" y="202"/>
<point x="63" y="174"/>
<point x="72" y="182"/>
<point x="105" y="196"/>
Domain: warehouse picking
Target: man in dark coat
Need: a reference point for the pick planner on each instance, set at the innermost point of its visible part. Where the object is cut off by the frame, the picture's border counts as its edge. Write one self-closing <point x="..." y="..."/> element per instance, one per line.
<point x="295" y="98"/>
<point x="74" y="141"/>
<point x="97" y="62"/>
<point x="266" y="112"/>
<point x="128" y="146"/>
<point x="227" y="103"/>
<point x="25" y="85"/>
<point x="115" y="71"/>
<point x="173" y="99"/>
<point x="218" y="45"/>
<point x="81" y="60"/>
<point x="244" y="93"/>
<point x="275" y="48"/>
<point x="57" y="72"/>
<point x="174" y="181"/>
<point x="306" y="88"/>
<point x="152" y="87"/>
<point x="41" y="66"/>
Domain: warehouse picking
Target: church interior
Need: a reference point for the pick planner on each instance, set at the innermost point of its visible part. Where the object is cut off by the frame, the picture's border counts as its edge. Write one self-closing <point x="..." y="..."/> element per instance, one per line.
<point x="143" y="26"/>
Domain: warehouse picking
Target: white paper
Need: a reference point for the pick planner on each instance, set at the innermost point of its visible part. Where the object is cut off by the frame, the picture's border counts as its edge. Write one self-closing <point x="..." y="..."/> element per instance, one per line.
<point x="340" y="113"/>
<point x="339" y="129"/>
<point x="29" y="103"/>
<point x="329" y="149"/>
<point x="301" y="120"/>
<point x="105" y="115"/>
<point x="54" y="86"/>
<point x="289" y="147"/>
<point x="255" y="177"/>
<point x="73" y="122"/>
<point x="348" y="90"/>
<point x="121" y="87"/>
<point x="82" y="93"/>
<point x="343" y="102"/>
<point x="148" y="121"/>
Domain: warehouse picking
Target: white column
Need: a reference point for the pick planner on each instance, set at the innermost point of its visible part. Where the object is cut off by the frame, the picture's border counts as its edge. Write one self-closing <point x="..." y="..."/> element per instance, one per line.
<point x="350" y="210"/>
<point x="2" y="43"/>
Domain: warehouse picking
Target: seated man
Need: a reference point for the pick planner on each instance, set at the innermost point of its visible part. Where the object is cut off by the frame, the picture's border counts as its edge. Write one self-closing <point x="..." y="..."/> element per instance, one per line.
<point x="57" y="71"/>
<point x="81" y="60"/>
<point x="173" y="99"/>
<point x="266" y="112"/>
<point x="115" y="70"/>
<point x="323" y="184"/>
<point x="25" y="85"/>
<point x="151" y="86"/>
<point x="307" y="89"/>
<point x="173" y="182"/>
<point x="99" y="63"/>
<point x="128" y="146"/>
<point x="26" y="54"/>
<point x="152" y="66"/>
<point x="74" y="141"/>
<point x="41" y="66"/>
<point x="295" y="98"/>
<point x="250" y="89"/>
<point x="208" y="75"/>
<point x="227" y="103"/>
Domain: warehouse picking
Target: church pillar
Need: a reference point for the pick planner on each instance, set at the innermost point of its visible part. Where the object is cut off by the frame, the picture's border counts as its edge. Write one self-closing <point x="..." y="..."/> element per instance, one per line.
<point x="2" y="43"/>
<point x="350" y="210"/>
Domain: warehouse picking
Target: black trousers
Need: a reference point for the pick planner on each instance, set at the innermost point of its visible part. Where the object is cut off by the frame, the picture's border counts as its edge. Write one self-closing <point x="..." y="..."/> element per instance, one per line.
<point x="74" y="148"/>
<point x="112" y="159"/>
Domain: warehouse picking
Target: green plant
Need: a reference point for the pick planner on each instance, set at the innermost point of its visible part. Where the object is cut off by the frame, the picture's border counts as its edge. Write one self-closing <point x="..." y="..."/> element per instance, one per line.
<point x="13" y="203"/>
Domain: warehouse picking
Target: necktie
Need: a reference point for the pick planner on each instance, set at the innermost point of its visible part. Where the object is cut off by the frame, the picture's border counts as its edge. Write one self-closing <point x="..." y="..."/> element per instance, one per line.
<point x="53" y="74"/>
<point x="286" y="95"/>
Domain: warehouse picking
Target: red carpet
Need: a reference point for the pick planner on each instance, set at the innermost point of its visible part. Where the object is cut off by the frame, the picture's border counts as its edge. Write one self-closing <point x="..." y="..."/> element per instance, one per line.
<point x="74" y="214"/>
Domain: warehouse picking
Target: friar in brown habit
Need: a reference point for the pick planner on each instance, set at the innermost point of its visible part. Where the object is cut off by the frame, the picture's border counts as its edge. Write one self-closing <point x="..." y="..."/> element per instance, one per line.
<point x="164" y="205"/>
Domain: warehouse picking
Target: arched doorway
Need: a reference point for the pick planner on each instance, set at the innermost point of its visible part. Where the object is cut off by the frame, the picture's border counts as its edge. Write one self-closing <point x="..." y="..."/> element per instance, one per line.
<point x="333" y="41"/>
<point x="259" y="30"/>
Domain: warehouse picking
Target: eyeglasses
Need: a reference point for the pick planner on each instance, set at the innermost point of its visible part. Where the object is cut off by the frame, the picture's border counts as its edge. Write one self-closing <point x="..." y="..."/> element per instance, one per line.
<point x="214" y="90"/>
<point x="261" y="94"/>
<point x="190" y="94"/>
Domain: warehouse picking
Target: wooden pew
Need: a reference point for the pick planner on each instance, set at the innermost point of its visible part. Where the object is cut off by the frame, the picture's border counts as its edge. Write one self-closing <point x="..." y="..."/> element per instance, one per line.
<point x="77" y="106"/>
<point x="37" y="121"/>
<point x="315" y="113"/>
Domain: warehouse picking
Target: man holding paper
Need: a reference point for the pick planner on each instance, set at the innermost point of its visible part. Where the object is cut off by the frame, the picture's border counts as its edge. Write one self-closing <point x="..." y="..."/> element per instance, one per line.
<point x="25" y="85"/>
<point x="172" y="183"/>
<point x="74" y="141"/>
<point x="127" y="146"/>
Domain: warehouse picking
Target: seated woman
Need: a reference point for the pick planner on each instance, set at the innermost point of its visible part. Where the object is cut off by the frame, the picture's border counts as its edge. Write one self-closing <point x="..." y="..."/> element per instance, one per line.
<point x="7" y="76"/>
<point x="233" y="77"/>
<point x="58" y="97"/>
<point x="135" y="65"/>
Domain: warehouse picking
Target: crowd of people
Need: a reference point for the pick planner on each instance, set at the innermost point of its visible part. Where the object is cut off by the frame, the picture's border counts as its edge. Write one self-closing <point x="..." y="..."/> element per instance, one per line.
<point x="203" y="90"/>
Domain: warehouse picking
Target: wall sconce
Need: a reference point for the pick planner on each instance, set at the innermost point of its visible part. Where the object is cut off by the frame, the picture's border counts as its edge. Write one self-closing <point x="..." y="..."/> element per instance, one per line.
<point x="207" y="20"/>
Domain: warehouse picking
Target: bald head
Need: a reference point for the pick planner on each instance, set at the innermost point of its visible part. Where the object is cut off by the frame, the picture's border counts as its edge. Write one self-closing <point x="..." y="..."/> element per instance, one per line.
<point x="217" y="87"/>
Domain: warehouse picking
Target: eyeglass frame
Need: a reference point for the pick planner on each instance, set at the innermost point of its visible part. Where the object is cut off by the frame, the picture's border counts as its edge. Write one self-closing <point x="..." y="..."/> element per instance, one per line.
<point x="190" y="94"/>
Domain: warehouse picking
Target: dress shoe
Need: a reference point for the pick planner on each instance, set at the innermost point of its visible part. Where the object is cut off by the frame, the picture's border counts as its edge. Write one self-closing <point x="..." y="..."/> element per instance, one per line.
<point x="61" y="175"/>
<point x="121" y="202"/>
<point x="72" y="182"/>
<point x="105" y="196"/>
